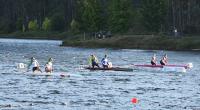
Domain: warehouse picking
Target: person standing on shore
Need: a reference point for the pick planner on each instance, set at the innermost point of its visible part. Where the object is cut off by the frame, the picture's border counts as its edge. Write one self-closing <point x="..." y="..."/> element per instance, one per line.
<point x="175" y="32"/>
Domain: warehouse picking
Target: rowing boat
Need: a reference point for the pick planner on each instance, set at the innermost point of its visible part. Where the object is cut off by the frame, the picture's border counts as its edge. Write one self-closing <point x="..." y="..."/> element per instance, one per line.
<point x="161" y="66"/>
<point x="22" y="68"/>
<point x="61" y="74"/>
<point x="168" y="68"/>
<point x="186" y="66"/>
<point x="110" y="69"/>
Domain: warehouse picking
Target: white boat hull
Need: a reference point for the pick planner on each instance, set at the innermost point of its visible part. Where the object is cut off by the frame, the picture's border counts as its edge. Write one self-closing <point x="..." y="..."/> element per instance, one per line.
<point x="61" y="74"/>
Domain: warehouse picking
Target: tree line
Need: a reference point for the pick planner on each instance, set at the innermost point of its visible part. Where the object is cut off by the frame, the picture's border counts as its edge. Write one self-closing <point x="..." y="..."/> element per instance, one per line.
<point x="117" y="16"/>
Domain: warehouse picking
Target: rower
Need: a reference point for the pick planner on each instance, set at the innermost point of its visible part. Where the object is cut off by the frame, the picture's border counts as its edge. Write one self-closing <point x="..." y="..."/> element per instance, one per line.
<point x="93" y="61"/>
<point x="105" y="62"/>
<point x="35" y="65"/>
<point x="153" y="60"/>
<point x="49" y="66"/>
<point x="164" y="60"/>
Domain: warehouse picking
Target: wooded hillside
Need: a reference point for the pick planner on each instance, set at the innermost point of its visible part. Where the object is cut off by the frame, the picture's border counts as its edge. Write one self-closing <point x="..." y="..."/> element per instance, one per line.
<point x="117" y="16"/>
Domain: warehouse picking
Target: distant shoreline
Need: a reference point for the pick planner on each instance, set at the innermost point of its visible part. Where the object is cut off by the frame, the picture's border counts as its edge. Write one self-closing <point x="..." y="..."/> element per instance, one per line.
<point x="36" y="35"/>
<point x="145" y="42"/>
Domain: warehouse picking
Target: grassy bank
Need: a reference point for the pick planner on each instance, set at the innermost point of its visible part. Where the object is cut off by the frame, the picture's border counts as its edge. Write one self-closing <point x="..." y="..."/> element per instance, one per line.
<point x="155" y="42"/>
<point x="139" y="42"/>
<point x="36" y="35"/>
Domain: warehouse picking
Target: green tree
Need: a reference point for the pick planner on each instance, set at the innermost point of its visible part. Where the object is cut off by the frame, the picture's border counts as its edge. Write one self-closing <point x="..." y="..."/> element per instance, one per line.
<point x="19" y="24"/>
<point x="4" y="26"/>
<point x="154" y="13"/>
<point x="91" y="16"/>
<point x="32" y="25"/>
<point x="58" y="23"/>
<point x="74" y="26"/>
<point x="119" y="15"/>
<point x="46" y="25"/>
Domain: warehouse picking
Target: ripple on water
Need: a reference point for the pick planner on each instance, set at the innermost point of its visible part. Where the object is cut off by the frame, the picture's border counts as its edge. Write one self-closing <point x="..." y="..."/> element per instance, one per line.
<point x="94" y="90"/>
<point x="54" y="92"/>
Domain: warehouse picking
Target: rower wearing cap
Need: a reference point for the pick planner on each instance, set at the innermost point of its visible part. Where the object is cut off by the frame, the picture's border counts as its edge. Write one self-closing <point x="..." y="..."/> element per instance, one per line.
<point x="164" y="60"/>
<point x="153" y="60"/>
<point x="49" y="65"/>
<point x="35" y="65"/>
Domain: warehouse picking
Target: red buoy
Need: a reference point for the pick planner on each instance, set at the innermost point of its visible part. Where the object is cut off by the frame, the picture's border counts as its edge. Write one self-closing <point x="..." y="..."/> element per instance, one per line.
<point x="134" y="100"/>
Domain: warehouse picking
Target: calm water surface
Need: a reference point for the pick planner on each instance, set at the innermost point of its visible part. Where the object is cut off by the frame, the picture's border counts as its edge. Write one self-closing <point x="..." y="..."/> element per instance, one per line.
<point x="94" y="90"/>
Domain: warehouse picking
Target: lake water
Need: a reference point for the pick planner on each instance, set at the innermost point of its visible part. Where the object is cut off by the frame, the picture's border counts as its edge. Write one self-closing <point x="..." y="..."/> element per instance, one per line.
<point x="94" y="90"/>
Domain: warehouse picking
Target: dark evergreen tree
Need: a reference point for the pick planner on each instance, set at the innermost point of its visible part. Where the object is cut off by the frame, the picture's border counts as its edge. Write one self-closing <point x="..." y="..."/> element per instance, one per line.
<point x="96" y="15"/>
<point x="119" y="15"/>
<point x="154" y="13"/>
<point x="91" y="17"/>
